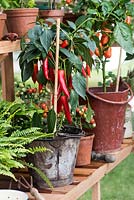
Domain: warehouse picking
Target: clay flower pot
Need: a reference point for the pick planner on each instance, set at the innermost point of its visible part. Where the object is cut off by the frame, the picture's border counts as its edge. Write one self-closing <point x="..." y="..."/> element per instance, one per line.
<point x="85" y="150"/>
<point x="20" y="20"/>
<point x="2" y="23"/>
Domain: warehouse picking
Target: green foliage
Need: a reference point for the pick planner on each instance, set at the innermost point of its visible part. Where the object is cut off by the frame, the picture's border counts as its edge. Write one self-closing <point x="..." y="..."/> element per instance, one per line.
<point x="42" y="41"/>
<point x="14" y="138"/>
<point x="11" y="4"/>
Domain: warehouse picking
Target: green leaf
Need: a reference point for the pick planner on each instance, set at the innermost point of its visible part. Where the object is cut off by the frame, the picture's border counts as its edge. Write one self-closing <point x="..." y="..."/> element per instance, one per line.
<point x="106" y="7"/>
<point x="36" y="120"/>
<point x="72" y="25"/>
<point x="85" y="52"/>
<point x="80" y="20"/>
<point x="26" y="71"/>
<point x="51" y="120"/>
<point x="79" y="84"/>
<point x="89" y="113"/>
<point x="34" y="33"/>
<point x="40" y="77"/>
<point x="46" y="39"/>
<point x="66" y="52"/>
<point x="74" y="100"/>
<point x="123" y="37"/>
<point x="72" y="58"/>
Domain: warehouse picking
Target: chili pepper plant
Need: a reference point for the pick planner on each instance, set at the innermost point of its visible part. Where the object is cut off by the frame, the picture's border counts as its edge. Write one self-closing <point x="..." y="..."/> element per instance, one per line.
<point x="37" y="61"/>
<point x="111" y="22"/>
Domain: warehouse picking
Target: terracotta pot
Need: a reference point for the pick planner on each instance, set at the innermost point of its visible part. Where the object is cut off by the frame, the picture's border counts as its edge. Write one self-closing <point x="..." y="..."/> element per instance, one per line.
<point x="2" y="23"/>
<point x="45" y="14"/>
<point x="21" y="20"/>
<point x="85" y="150"/>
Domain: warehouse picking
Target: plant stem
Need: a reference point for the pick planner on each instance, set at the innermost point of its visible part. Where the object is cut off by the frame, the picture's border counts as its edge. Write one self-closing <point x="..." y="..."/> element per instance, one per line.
<point x="104" y="74"/>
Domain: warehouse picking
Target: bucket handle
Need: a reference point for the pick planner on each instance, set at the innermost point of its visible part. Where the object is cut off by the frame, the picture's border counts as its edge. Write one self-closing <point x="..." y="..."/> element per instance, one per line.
<point x="114" y="102"/>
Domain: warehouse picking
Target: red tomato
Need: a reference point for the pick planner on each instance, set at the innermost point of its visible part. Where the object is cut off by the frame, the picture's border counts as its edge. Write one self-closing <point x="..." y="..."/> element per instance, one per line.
<point x="108" y="53"/>
<point x="104" y="39"/>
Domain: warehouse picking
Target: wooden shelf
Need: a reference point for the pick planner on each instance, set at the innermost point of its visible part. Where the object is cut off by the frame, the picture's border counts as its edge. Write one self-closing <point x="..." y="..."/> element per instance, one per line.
<point x="8" y="46"/>
<point x="84" y="178"/>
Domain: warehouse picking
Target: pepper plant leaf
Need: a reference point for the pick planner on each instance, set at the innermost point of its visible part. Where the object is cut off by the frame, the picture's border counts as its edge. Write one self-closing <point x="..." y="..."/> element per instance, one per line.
<point x="75" y="60"/>
<point x="51" y="120"/>
<point x="34" y="33"/>
<point x="79" y="84"/>
<point x="123" y="36"/>
<point x="74" y="100"/>
<point x="46" y="39"/>
<point x="72" y="25"/>
<point x="26" y="71"/>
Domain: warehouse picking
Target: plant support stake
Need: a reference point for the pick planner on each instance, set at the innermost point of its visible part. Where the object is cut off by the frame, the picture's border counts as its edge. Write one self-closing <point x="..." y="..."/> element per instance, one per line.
<point x="118" y="71"/>
<point x="56" y="65"/>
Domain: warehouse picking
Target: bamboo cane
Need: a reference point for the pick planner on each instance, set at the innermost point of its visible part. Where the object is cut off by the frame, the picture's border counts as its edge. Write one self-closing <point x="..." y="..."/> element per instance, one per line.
<point x="118" y="71"/>
<point x="56" y="64"/>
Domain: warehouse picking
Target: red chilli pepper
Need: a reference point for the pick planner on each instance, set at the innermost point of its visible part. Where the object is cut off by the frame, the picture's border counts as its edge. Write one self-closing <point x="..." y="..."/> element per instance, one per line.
<point x="61" y="78"/>
<point x="88" y="70"/>
<point x="64" y="44"/>
<point x="83" y="72"/>
<point x="45" y="68"/>
<point x="59" y="105"/>
<point x="70" y="85"/>
<point x="51" y="74"/>
<point x="65" y="104"/>
<point x="35" y="72"/>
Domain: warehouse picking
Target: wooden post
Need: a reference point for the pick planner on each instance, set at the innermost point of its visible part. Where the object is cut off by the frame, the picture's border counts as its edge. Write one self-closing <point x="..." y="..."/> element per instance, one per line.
<point x="118" y="71"/>
<point x="96" y="194"/>
<point x="7" y="76"/>
<point x="56" y="64"/>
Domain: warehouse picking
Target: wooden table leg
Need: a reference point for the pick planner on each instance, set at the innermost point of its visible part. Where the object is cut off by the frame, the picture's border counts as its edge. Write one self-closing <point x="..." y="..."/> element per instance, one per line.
<point x="7" y="76"/>
<point x="96" y="194"/>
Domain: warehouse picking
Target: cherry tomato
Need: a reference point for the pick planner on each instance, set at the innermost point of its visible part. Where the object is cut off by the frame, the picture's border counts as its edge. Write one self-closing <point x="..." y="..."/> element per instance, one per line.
<point x="43" y="106"/>
<point x="108" y="53"/>
<point x="77" y="109"/>
<point x="85" y="108"/>
<point x="45" y="115"/>
<point x="104" y="39"/>
<point x="92" y="121"/>
<point x="30" y="91"/>
<point x="34" y="90"/>
<point x="64" y="44"/>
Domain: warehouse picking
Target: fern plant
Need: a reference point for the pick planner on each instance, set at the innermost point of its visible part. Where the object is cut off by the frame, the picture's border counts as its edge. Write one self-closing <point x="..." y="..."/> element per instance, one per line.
<point x="14" y="139"/>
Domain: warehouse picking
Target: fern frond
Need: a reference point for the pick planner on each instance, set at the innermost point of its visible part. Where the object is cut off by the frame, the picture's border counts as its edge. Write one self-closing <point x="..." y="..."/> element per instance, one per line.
<point x="7" y="173"/>
<point x="40" y="173"/>
<point x="38" y="149"/>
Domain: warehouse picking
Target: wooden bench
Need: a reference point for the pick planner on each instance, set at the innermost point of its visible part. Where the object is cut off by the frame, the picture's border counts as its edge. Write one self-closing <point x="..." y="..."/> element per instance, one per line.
<point x="84" y="178"/>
